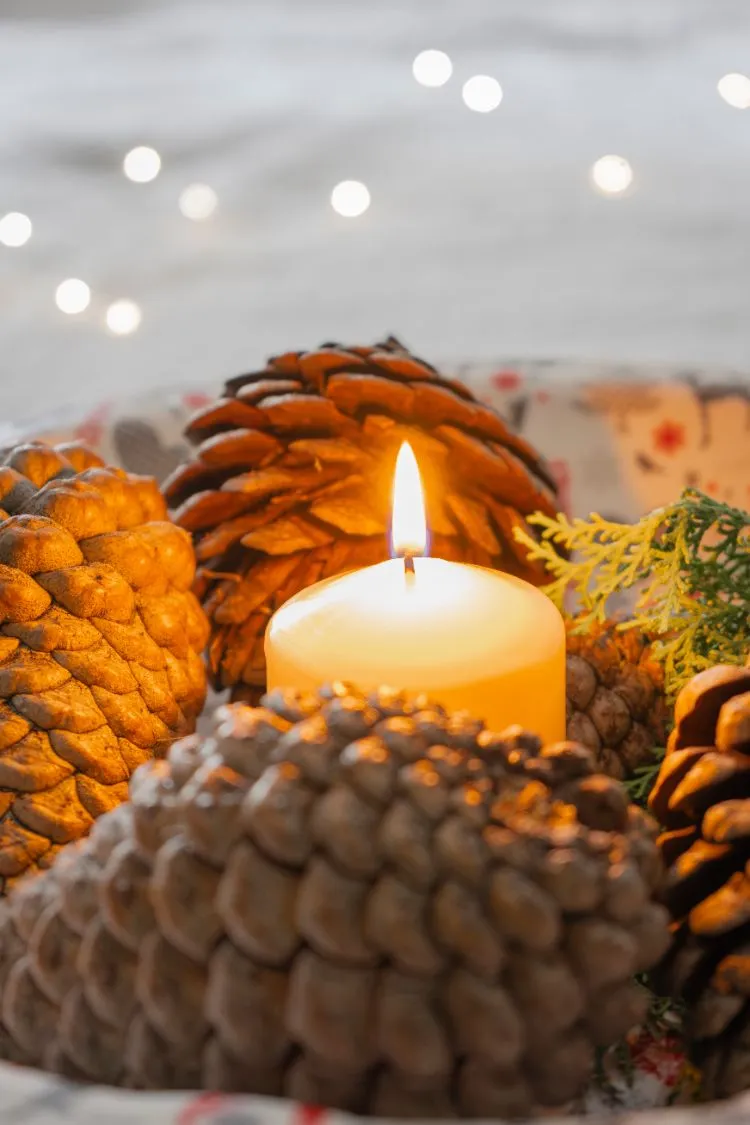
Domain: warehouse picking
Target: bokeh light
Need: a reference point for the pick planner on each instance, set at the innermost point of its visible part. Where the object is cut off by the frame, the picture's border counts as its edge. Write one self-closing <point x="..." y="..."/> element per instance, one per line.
<point x="432" y="68"/>
<point x="612" y="174"/>
<point x="198" y="202"/>
<point x="350" y="198"/>
<point x="15" y="229"/>
<point x="482" y="93"/>
<point x="123" y="317"/>
<point x="735" y="90"/>
<point x="142" y="164"/>
<point x="72" y="296"/>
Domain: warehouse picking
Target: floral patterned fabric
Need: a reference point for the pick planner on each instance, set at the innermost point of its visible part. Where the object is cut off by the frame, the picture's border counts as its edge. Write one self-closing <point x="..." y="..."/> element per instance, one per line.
<point x="31" y="1098"/>
<point x="621" y="441"/>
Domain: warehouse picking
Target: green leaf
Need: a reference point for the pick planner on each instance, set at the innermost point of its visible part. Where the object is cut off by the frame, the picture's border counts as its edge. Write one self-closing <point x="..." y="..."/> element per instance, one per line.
<point x="640" y="784"/>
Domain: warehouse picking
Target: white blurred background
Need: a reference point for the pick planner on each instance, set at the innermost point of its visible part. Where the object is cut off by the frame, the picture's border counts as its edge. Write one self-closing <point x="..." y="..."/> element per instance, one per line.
<point x="486" y="233"/>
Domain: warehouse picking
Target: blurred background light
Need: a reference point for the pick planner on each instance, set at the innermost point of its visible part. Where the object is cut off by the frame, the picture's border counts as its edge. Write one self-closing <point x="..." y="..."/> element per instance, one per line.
<point x="198" y="202"/>
<point x="142" y="164"/>
<point x="612" y="174"/>
<point x="432" y="68"/>
<point x="15" y="229"/>
<point x="482" y="93"/>
<point x="735" y="90"/>
<point x="350" y="198"/>
<point x="123" y="317"/>
<point x="462" y="208"/>
<point x="72" y="296"/>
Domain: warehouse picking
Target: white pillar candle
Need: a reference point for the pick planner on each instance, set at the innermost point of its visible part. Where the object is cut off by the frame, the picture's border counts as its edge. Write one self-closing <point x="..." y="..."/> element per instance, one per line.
<point x="471" y="638"/>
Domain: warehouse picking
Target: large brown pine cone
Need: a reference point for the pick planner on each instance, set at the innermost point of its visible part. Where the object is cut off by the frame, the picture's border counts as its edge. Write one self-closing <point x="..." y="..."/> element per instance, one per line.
<point x="702" y="797"/>
<point x="100" y="641"/>
<point x="291" y="482"/>
<point x="615" y="697"/>
<point x="363" y="903"/>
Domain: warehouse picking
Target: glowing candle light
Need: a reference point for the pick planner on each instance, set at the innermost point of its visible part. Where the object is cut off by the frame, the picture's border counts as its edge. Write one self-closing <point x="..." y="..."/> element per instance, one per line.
<point x="473" y="639"/>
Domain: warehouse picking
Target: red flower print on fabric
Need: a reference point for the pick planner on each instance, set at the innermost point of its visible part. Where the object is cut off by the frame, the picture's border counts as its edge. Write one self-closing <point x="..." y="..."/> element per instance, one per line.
<point x="310" y="1115"/>
<point x="664" y="1058"/>
<point x="506" y="381"/>
<point x="194" y="400"/>
<point x="669" y="436"/>
<point x="201" y="1108"/>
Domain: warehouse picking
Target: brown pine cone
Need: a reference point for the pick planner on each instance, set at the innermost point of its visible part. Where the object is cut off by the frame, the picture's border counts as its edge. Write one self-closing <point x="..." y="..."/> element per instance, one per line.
<point x="292" y="477"/>
<point x="100" y="642"/>
<point x="615" y="697"/>
<point x="702" y="798"/>
<point x="361" y="903"/>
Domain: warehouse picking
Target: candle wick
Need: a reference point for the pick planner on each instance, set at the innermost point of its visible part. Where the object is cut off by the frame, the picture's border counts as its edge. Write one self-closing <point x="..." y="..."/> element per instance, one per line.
<point x="409" y="564"/>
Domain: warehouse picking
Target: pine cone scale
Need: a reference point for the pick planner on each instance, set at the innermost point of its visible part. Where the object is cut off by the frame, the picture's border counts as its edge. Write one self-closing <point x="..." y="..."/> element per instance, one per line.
<point x="676" y="768"/>
<point x="727" y="821"/>
<point x="733" y="725"/>
<point x="714" y="777"/>
<point x="700" y="704"/>
<point x="725" y="910"/>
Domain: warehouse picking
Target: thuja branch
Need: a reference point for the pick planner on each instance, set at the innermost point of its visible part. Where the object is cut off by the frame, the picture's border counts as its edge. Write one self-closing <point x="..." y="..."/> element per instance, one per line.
<point x="688" y="563"/>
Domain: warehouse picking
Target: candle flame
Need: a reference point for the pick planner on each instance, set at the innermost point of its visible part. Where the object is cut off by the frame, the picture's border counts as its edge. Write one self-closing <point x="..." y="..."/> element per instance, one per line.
<point x="409" y="524"/>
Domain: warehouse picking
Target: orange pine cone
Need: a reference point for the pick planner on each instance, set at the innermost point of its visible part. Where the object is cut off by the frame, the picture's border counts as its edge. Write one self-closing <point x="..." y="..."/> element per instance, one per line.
<point x="292" y="475"/>
<point x="100" y="642"/>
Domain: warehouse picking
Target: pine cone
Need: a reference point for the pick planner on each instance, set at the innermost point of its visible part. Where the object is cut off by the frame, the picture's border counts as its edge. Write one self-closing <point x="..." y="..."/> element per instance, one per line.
<point x="615" y="697"/>
<point x="361" y="903"/>
<point x="292" y="478"/>
<point x="702" y="797"/>
<point x="100" y="639"/>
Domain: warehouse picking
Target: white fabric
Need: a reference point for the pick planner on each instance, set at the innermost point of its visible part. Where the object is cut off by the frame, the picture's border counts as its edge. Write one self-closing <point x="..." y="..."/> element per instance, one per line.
<point x="484" y="236"/>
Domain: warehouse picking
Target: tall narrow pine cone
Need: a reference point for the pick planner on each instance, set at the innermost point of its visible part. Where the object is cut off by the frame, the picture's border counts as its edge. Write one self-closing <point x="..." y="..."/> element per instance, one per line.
<point x="291" y="482"/>
<point x="702" y="797"/>
<point x="615" y="697"/>
<point x="362" y="903"/>
<point x="100" y="641"/>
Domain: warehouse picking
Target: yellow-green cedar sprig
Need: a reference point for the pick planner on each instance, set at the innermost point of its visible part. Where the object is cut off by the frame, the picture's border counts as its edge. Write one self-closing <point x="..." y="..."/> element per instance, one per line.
<point x="689" y="563"/>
